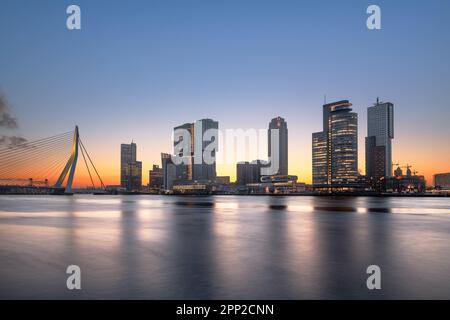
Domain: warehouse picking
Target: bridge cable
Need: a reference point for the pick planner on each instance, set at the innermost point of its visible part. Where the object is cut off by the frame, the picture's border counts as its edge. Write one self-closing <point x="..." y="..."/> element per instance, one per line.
<point x="87" y="167"/>
<point x="95" y="169"/>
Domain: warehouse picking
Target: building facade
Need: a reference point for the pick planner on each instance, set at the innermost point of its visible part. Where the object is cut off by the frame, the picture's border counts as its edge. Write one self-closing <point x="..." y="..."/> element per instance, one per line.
<point x="320" y="158"/>
<point x="442" y="181"/>
<point x="279" y="124"/>
<point x="204" y="170"/>
<point x="409" y="183"/>
<point x="335" y="149"/>
<point x="380" y="132"/>
<point x="130" y="168"/>
<point x="195" y="166"/>
<point x="223" y="179"/>
<point x="168" y="171"/>
<point x="155" y="177"/>
<point x="184" y="171"/>
<point x="248" y="172"/>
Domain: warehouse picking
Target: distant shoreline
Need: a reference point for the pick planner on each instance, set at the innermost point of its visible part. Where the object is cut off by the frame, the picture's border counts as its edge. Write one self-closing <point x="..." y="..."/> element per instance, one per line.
<point x="384" y="195"/>
<point x="319" y="195"/>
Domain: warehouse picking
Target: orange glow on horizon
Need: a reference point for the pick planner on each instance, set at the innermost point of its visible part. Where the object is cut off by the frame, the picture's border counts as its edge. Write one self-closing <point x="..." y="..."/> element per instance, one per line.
<point x="431" y="159"/>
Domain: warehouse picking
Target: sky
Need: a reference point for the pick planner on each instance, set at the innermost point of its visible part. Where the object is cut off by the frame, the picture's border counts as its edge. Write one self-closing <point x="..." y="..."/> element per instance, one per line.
<point x="136" y="69"/>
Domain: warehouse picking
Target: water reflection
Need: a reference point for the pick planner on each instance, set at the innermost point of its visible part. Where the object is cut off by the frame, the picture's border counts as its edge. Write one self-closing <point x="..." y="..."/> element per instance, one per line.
<point x="224" y="247"/>
<point x="191" y="265"/>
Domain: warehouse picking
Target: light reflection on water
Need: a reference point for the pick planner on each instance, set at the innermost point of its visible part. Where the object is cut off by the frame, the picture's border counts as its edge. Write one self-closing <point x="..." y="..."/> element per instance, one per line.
<point x="224" y="247"/>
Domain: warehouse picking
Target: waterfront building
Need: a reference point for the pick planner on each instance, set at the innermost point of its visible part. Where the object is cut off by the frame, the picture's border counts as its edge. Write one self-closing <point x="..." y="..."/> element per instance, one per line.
<point x="184" y="171"/>
<point x="276" y="184"/>
<point x="442" y="181"/>
<point x="203" y="170"/>
<point x="409" y="183"/>
<point x="380" y="132"/>
<point x="222" y="179"/>
<point x="248" y="172"/>
<point x="194" y="166"/>
<point x="169" y="171"/>
<point x="279" y="124"/>
<point x="130" y="168"/>
<point x="155" y="179"/>
<point x="335" y="149"/>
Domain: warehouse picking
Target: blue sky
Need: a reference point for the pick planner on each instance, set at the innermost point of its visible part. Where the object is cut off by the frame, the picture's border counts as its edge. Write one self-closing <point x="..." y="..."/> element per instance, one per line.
<point x="138" y="68"/>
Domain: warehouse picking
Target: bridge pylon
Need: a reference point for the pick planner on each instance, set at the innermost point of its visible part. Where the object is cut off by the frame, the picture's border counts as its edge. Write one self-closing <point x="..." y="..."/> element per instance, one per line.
<point x="70" y="165"/>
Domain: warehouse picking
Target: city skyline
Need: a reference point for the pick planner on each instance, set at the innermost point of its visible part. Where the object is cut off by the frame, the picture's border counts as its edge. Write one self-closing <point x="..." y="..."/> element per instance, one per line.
<point x="129" y="163"/>
<point x="238" y="63"/>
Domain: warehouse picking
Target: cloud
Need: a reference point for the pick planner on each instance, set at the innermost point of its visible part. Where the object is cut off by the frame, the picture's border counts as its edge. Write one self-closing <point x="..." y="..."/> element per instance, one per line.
<point x="12" y="141"/>
<point x="6" y="119"/>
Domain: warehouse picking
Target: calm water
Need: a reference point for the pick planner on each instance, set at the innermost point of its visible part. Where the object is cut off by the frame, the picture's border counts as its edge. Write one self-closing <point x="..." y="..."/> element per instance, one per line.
<point x="223" y="247"/>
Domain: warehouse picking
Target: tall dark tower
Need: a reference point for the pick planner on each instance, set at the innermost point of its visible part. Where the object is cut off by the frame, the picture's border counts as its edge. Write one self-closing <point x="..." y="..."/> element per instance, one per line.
<point x="281" y="125"/>
<point x="380" y="132"/>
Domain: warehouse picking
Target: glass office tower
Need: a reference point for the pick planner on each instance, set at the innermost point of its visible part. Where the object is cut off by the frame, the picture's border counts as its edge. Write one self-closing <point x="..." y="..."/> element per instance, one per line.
<point x="335" y="149"/>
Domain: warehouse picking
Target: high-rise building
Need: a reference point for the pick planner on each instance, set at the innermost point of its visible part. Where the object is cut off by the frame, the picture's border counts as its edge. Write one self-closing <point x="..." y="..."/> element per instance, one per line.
<point x="280" y="124"/>
<point x="248" y="172"/>
<point x="168" y="171"/>
<point x="320" y="158"/>
<point x="202" y="169"/>
<point x="194" y="166"/>
<point x="335" y="149"/>
<point x="127" y="155"/>
<point x="184" y="171"/>
<point x="380" y="132"/>
<point x="155" y="177"/>
<point x="130" y="168"/>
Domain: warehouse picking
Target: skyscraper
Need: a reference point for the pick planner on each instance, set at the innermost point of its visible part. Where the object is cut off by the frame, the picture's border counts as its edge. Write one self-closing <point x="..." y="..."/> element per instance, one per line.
<point x="155" y="177"/>
<point x="185" y="170"/>
<point x="335" y="149"/>
<point x="320" y="158"/>
<point x="168" y="171"/>
<point x="130" y="168"/>
<point x="202" y="169"/>
<point x="380" y="132"/>
<point x="281" y="125"/>
<point x="195" y="166"/>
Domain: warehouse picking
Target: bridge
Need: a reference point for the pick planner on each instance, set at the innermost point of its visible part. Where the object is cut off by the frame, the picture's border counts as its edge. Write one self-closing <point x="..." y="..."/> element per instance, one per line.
<point x="46" y="166"/>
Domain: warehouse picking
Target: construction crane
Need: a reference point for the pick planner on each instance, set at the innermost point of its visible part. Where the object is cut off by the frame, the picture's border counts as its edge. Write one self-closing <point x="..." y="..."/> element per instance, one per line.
<point x="408" y="167"/>
<point x="30" y="181"/>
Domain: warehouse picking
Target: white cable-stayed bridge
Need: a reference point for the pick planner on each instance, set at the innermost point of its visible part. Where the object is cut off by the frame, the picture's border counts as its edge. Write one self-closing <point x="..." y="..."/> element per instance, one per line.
<point x="46" y="165"/>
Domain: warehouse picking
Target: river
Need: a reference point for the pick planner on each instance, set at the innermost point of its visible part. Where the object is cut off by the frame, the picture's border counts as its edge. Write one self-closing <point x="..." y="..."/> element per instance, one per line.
<point x="224" y="247"/>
